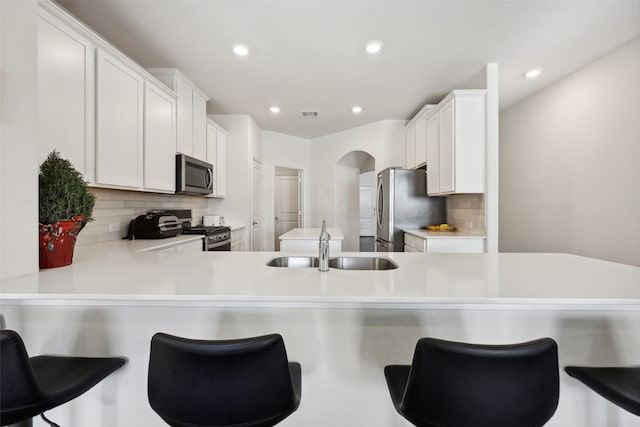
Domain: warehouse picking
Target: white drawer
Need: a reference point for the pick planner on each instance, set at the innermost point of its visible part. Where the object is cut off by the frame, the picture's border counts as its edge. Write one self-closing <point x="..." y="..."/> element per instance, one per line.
<point x="455" y="245"/>
<point x="417" y="243"/>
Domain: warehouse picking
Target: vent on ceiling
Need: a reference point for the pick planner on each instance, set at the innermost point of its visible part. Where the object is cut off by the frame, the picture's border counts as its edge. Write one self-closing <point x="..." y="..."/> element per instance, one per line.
<point x="309" y="114"/>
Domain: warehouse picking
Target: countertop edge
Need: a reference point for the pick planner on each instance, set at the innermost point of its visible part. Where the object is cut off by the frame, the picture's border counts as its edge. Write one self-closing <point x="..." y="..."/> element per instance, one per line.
<point x="244" y="301"/>
<point x="426" y="234"/>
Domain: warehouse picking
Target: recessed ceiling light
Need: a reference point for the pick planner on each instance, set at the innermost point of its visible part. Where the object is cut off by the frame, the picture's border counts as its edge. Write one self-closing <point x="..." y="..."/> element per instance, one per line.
<point x="374" y="46"/>
<point x="356" y="109"/>
<point x="240" y="50"/>
<point x="275" y="109"/>
<point x="533" y="73"/>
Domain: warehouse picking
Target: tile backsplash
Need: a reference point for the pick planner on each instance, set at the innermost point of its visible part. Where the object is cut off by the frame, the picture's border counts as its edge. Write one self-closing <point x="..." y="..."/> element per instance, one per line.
<point x="116" y="208"/>
<point x="466" y="212"/>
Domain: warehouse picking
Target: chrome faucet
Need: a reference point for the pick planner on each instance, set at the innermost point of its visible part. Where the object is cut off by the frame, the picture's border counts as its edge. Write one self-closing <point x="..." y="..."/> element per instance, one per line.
<point x="323" y="248"/>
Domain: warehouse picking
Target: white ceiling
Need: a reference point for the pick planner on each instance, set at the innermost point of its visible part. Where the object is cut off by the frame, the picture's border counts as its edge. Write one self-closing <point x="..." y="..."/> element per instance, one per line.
<point x="309" y="55"/>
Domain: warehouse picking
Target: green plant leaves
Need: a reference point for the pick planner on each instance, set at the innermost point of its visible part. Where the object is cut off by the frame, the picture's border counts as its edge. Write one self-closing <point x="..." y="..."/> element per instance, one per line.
<point x="63" y="192"/>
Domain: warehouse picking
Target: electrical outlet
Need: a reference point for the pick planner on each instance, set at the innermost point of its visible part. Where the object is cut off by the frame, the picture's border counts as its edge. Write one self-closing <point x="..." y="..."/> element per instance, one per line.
<point x="114" y="227"/>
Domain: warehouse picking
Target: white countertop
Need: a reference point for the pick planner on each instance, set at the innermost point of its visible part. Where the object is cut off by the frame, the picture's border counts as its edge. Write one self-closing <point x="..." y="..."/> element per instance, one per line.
<point x="426" y="234"/>
<point x="152" y="244"/>
<point x="120" y="273"/>
<point x="311" y="234"/>
<point x="235" y="227"/>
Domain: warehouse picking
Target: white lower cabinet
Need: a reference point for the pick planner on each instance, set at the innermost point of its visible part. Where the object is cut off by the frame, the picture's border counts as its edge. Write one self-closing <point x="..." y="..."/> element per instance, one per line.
<point x="459" y="245"/>
<point x="119" y="112"/>
<point x="195" y="246"/>
<point x="159" y="139"/>
<point x="467" y="244"/>
<point x="413" y="243"/>
<point x="190" y="246"/>
<point x="237" y="240"/>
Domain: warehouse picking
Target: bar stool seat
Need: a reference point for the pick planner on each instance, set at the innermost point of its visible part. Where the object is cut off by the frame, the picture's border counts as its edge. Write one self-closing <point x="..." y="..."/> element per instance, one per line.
<point x="240" y="383"/>
<point x="473" y="385"/>
<point x="619" y="385"/>
<point x="30" y="386"/>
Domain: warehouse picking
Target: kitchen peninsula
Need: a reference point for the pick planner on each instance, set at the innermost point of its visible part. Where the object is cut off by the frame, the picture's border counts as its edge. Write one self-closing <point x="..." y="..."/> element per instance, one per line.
<point x="342" y="326"/>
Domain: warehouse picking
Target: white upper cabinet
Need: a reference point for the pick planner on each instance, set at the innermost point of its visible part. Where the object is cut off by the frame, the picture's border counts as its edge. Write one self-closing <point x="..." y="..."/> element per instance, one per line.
<point x="433" y="153"/>
<point x="216" y="155"/>
<point x="421" y="140"/>
<point x="185" y="116"/>
<point x="119" y="122"/>
<point x="159" y="138"/>
<point x="221" y="160"/>
<point x="101" y="110"/>
<point x="199" y="126"/>
<point x="456" y="138"/>
<point x="66" y="94"/>
<point x="191" y="112"/>
<point x="410" y="139"/>
<point x="416" y="138"/>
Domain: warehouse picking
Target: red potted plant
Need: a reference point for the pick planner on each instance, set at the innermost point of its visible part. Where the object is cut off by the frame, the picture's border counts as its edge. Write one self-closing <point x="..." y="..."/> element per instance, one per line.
<point x="65" y="206"/>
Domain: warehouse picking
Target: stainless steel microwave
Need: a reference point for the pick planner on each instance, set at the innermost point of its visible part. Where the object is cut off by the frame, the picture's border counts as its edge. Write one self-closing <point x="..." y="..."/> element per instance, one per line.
<point x="193" y="176"/>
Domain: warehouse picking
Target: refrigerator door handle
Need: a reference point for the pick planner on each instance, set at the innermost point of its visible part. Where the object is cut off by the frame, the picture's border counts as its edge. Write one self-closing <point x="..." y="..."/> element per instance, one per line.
<point x="380" y="204"/>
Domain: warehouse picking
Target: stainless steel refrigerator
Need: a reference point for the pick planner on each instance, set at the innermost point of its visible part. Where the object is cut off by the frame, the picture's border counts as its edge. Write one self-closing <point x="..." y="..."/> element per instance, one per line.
<point x="403" y="205"/>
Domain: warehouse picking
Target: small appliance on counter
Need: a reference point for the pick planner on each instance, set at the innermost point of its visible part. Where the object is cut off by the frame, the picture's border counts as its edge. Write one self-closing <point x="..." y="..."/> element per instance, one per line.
<point x="154" y="225"/>
<point x="215" y="220"/>
<point x="183" y="215"/>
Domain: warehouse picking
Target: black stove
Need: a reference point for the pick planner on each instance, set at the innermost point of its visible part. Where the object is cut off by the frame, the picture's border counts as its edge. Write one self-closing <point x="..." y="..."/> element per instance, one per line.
<point x="216" y="238"/>
<point x="206" y="230"/>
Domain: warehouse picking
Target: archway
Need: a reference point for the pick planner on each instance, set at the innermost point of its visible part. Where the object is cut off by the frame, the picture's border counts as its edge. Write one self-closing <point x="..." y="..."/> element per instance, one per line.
<point x="351" y="169"/>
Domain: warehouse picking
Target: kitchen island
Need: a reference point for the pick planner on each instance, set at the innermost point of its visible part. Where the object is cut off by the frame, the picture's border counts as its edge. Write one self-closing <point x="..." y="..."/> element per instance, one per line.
<point x="305" y="240"/>
<point x="342" y="326"/>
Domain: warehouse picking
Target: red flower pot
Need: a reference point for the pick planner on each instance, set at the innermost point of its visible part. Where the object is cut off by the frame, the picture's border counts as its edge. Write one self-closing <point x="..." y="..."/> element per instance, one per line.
<point x="57" y="241"/>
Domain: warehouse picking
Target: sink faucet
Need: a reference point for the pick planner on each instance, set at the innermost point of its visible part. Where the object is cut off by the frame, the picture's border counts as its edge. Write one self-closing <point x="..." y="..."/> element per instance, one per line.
<point x="323" y="247"/>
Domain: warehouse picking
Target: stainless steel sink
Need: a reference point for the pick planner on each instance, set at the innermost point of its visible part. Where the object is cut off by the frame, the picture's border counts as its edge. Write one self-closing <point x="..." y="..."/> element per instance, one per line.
<point x="362" y="263"/>
<point x="341" y="263"/>
<point x="294" y="261"/>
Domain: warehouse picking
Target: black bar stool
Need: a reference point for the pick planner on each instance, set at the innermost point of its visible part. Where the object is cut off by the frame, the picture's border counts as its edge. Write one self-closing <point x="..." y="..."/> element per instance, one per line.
<point x="459" y="384"/>
<point x="242" y="382"/>
<point x="30" y="386"/>
<point x="619" y="385"/>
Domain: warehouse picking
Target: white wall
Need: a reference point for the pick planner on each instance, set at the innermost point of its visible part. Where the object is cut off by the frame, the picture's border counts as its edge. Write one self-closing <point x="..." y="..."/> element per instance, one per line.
<point x="285" y="151"/>
<point x="18" y="139"/>
<point x="569" y="158"/>
<point x="244" y="141"/>
<point x="384" y="140"/>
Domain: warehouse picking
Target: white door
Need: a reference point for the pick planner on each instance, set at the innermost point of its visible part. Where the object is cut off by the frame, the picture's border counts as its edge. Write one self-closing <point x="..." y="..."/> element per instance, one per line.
<point x="367" y="207"/>
<point x="256" y="206"/>
<point x="287" y="205"/>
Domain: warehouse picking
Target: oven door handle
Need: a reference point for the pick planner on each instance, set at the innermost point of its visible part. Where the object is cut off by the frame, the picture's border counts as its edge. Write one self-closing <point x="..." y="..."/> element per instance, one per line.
<point x="218" y="244"/>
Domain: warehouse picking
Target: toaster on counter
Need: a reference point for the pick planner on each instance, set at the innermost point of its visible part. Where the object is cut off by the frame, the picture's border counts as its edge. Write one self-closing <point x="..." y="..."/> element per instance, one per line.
<point x="154" y="226"/>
